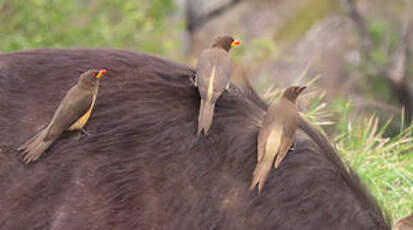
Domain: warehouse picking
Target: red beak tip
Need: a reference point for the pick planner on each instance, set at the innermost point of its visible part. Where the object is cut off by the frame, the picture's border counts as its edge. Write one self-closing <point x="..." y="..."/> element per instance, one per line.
<point x="103" y="71"/>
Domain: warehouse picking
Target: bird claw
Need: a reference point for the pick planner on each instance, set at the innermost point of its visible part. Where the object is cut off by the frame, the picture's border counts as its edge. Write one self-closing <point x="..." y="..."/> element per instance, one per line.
<point x="233" y="91"/>
<point x="292" y="147"/>
<point x="192" y="80"/>
<point x="86" y="133"/>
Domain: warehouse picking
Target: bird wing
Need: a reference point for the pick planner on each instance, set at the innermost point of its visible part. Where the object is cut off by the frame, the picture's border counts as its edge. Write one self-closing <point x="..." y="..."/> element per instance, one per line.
<point x="289" y="129"/>
<point x="213" y="71"/>
<point x="224" y="71"/>
<point x="204" y="71"/>
<point x="262" y="137"/>
<point x="270" y="124"/>
<point x="273" y="143"/>
<point x="74" y="105"/>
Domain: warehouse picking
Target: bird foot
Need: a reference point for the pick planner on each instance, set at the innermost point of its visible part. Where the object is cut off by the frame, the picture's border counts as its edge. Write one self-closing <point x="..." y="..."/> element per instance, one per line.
<point x="192" y="80"/>
<point x="233" y="91"/>
<point x="292" y="147"/>
<point x="86" y="133"/>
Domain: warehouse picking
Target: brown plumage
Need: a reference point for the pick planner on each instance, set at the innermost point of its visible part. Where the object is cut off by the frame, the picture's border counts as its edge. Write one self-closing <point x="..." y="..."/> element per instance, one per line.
<point x="276" y="135"/>
<point x="72" y="114"/>
<point x="213" y="73"/>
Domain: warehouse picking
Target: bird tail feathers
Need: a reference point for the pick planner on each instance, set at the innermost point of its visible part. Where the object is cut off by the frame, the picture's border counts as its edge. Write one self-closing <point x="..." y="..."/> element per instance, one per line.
<point x="206" y="113"/>
<point x="278" y="160"/>
<point x="35" y="146"/>
<point x="23" y="146"/>
<point x="260" y="174"/>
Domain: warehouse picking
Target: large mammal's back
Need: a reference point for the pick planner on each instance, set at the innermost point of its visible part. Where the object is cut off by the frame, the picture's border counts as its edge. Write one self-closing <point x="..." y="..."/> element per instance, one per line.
<point x="144" y="167"/>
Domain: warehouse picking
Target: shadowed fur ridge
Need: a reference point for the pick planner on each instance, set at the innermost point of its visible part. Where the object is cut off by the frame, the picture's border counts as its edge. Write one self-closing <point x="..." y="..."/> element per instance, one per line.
<point x="144" y="167"/>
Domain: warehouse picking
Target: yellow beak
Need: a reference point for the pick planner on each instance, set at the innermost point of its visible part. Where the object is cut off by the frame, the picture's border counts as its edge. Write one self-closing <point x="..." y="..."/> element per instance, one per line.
<point x="235" y="43"/>
<point x="101" y="73"/>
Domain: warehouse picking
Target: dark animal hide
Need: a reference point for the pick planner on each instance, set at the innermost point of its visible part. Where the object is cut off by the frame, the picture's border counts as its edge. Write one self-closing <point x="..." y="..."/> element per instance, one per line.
<point x="144" y="167"/>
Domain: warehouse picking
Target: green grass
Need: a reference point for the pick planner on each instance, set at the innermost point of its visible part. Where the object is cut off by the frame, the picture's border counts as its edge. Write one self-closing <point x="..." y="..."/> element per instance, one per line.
<point x="385" y="164"/>
<point x="138" y="25"/>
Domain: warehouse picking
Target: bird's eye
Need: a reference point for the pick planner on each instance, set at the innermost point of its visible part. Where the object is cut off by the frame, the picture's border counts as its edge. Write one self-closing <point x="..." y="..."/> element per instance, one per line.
<point x="95" y="74"/>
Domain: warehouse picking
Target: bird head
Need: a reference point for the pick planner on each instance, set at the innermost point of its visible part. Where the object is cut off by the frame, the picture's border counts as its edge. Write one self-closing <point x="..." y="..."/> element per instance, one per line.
<point x="92" y="75"/>
<point x="225" y="42"/>
<point x="97" y="74"/>
<point x="293" y="92"/>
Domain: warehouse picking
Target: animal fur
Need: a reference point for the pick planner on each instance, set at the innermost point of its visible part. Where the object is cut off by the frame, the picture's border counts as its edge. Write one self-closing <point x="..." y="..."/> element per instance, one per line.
<point x="144" y="168"/>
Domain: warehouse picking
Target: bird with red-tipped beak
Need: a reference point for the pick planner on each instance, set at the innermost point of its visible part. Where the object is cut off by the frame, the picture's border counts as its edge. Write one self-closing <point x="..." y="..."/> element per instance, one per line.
<point x="213" y="73"/>
<point x="72" y="114"/>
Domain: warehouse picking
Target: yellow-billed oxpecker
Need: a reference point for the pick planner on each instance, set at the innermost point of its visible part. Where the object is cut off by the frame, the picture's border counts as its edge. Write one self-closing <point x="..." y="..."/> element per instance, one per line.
<point x="276" y="135"/>
<point x="213" y="73"/>
<point x="72" y="114"/>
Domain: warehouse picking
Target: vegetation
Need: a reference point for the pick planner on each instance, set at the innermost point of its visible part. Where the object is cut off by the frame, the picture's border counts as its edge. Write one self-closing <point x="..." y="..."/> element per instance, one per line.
<point x="385" y="163"/>
<point x="139" y="25"/>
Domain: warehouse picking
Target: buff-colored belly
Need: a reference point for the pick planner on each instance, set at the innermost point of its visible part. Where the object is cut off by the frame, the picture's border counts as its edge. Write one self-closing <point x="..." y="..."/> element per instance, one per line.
<point x="82" y="120"/>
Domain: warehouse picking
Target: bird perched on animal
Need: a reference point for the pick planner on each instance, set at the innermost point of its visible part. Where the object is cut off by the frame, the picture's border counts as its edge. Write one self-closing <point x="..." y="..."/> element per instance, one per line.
<point x="72" y="114"/>
<point x="276" y="135"/>
<point x="213" y="73"/>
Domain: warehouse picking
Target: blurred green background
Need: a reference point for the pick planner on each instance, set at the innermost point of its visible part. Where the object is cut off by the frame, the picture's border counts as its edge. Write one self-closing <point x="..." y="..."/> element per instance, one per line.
<point x="138" y="25"/>
<point x="355" y="97"/>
